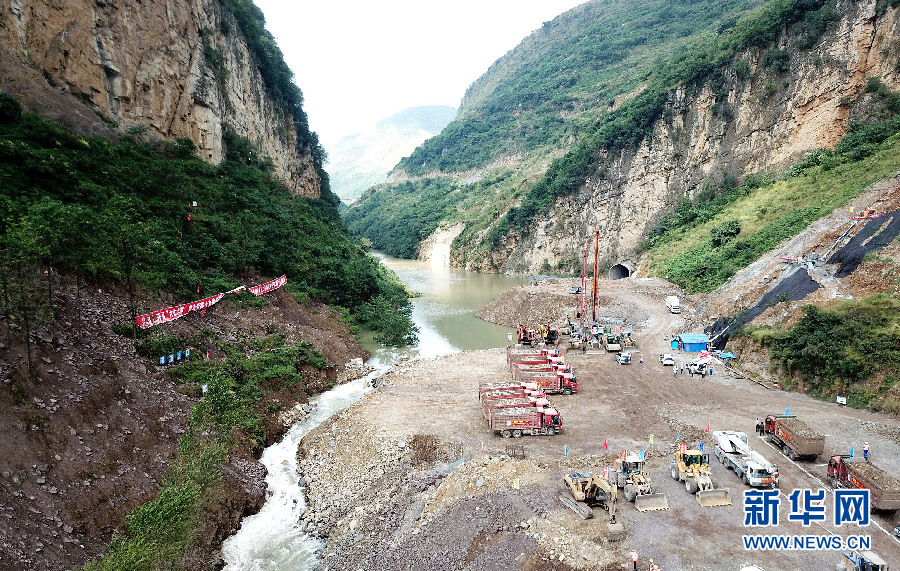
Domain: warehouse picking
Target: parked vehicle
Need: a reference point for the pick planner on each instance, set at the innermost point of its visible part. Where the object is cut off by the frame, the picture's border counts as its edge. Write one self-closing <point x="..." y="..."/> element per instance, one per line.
<point x="672" y="304"/>
<point x="692" y="468"/>
<point x="613" y="342"/>
<point x="623" y="358"/>
<point x="564" y="383"/>
<point x="667" y="359"/>
<point x="631" y="476"/>
<point x="575" y="289"/>
<point x="794" y="437"/>
<point x="733" y="450"/>
<point x="854" y="472"/>
<point x="514" y="422"/>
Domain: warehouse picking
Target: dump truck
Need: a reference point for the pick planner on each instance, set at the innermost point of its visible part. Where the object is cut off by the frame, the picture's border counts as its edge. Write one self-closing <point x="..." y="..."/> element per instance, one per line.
<point x="514" y="422"/>
<point x="854" y="472"/>
<point x="630" y="475"/>
<point x="560" y="383"/>
<point x="515" y="402"/>
<point x="794" y="437"/>
<point x="862" y="561"/>
<point x="506" y="386"/>
<point x="526" y="373"/>
<point x="585" y="490"/>
<point x="692" y="468"/>
<point x="613" y="342"/>
<point x="733" y="450"/>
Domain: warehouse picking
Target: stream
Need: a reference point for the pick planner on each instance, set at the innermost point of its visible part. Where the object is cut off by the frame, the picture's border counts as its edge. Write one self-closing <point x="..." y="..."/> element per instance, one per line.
<point x="272" y="540"/>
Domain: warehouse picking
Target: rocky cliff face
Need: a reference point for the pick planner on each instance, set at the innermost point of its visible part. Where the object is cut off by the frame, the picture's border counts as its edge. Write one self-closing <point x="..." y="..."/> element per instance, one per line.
<point x="765" y="121"/>
<point x="174" y="68"/>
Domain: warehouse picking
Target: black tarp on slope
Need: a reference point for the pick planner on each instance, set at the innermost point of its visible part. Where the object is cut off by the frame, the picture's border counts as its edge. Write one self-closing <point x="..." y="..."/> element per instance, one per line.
<point x="852" y="254"/>
<point x="798" y="284"/>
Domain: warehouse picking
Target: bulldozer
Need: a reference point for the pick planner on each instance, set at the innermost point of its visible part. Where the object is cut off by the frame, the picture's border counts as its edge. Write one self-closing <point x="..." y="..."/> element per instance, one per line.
<point x="585" y="490"/>
<point x="692" y="468"/>
<point x="635" y="483"/>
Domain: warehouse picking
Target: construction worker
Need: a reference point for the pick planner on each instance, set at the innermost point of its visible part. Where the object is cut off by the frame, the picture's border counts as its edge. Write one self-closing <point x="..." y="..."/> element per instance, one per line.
<point x="866" y="451"/>
<point x="759" y="427"/>
<point x="634" y="558"/>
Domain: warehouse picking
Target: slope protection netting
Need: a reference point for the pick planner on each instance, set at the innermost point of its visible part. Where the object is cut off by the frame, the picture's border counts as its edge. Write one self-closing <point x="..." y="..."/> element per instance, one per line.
<point x="796" y="286"/>
<point x="875" y="235"/>
<point x="852" y="254"/>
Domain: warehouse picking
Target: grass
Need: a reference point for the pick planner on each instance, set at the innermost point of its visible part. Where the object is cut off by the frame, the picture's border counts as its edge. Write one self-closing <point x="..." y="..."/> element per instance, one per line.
<point x="817" y="188"/>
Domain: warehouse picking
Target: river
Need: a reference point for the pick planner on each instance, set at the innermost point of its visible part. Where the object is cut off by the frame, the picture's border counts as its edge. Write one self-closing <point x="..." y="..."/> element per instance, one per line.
<point x="272" y="540"/>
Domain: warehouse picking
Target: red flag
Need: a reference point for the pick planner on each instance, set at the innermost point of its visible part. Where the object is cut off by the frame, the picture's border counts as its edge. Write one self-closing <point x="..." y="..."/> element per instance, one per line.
<point x="605" y="445"/>
<point x="202" y="312"/>
<point x="207" y="353"/>
<point x="707" y="427"/>
<point x="189" y="217"/>
<point x="198" y="288"/>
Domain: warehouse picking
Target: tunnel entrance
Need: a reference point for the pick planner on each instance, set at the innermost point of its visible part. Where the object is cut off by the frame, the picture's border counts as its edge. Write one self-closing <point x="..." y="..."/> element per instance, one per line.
<point x="618" y="272"/>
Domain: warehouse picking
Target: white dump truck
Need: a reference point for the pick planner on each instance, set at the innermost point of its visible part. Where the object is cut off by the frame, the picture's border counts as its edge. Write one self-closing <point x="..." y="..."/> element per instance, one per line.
<point x="734" y="451"/>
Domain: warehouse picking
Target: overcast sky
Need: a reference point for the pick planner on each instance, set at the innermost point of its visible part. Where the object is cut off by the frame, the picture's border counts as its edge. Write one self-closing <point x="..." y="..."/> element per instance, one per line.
<point x="360" y="61"/>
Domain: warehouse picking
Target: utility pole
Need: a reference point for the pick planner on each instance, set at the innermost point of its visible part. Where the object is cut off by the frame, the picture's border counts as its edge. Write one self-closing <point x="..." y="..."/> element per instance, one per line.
<point x="594" y="293"/>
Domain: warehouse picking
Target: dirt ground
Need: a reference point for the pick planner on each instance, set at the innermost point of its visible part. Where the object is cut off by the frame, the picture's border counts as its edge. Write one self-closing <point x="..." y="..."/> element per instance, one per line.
<point x="386" y="493"/>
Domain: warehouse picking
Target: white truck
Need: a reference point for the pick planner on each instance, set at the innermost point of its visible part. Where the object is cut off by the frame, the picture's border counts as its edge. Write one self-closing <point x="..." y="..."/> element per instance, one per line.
<point x="672" y="304"/>
<point x="733" y="450"/>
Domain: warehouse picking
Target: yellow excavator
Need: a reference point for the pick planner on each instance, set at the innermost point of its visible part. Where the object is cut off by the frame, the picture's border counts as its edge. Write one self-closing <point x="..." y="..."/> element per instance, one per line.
<point x="585" y="490"/>
<point x="692" y="468"/>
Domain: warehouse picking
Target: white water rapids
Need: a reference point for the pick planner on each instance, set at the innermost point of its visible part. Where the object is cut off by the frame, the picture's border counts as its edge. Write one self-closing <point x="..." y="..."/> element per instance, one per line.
<point x="272" y="539"/>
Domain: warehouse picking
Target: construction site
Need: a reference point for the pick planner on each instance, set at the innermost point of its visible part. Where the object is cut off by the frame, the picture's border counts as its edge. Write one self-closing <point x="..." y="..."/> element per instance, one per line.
<point x="613" y="426"/>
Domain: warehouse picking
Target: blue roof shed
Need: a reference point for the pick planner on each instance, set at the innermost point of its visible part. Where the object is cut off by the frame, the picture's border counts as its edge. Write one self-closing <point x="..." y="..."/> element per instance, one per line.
<point x="694" y="342"/>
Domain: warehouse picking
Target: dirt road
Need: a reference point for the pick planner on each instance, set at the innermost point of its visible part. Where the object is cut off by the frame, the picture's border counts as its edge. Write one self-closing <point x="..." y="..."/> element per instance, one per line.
<point x="386" y="493"/>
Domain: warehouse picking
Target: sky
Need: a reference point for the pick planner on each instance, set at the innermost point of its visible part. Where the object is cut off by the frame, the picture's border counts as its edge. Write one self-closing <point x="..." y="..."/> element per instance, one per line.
<point x="360" y="61"/>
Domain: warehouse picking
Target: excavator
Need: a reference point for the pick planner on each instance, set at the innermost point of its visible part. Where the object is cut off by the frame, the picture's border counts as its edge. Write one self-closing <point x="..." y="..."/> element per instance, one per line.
<point x="585" y="490"/>
<point x="692" y="468"/>
<point x="631" y="476"/>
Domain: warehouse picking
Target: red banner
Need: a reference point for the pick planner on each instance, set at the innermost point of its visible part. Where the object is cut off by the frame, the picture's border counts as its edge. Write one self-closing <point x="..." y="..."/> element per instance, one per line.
<point x="269" y="286"/>
<point x="173" y="313"/>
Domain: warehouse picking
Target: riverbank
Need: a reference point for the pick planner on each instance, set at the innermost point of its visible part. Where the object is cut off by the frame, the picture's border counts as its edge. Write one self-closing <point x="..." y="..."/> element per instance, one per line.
<point x="411" y="477"/>
<point x="95" y="432"/>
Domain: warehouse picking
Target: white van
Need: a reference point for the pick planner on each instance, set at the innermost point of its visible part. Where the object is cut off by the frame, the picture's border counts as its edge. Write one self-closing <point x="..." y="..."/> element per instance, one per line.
<point x="672" y="304"/>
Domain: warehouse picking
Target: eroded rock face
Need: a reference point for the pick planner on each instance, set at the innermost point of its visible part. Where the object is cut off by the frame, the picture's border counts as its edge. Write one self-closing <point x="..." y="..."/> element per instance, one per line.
<point x="763" y="123"/>
<point x="179" y="68"/>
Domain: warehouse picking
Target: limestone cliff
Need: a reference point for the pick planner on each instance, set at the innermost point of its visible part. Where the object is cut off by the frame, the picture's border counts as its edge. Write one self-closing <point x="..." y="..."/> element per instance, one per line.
<point x="168" y="69"/>
<point x="758" y="120"/>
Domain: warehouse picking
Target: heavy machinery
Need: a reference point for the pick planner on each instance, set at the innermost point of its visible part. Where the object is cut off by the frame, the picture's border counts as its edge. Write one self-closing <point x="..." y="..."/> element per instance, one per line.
<point x="854" y="472"/>
<point x="794" y="437"/>
<point x="692" y="468"/>
<point x="585" y="490"/>
<point x="733" y="450"/>
<point x="613" y="342"/>
<point x="630" y="475"/>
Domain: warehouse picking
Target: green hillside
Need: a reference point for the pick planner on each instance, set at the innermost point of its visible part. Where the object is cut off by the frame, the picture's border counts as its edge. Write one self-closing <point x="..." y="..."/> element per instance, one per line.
<point x="98" y="210"/>
<point x="593" y="79"/>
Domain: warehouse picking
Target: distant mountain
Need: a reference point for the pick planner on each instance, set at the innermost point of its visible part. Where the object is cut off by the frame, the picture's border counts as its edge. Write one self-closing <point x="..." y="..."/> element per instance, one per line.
<point x="364" y="159"/>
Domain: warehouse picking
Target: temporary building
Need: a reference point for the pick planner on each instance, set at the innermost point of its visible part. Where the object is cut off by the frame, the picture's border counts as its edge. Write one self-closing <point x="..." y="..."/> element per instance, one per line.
<point x="693" y="342"/>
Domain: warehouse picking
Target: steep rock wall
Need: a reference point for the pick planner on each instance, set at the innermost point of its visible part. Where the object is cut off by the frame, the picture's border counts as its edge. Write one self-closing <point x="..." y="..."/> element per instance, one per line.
<point x="771" y="121"/>
<point x="171" y="68"/>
